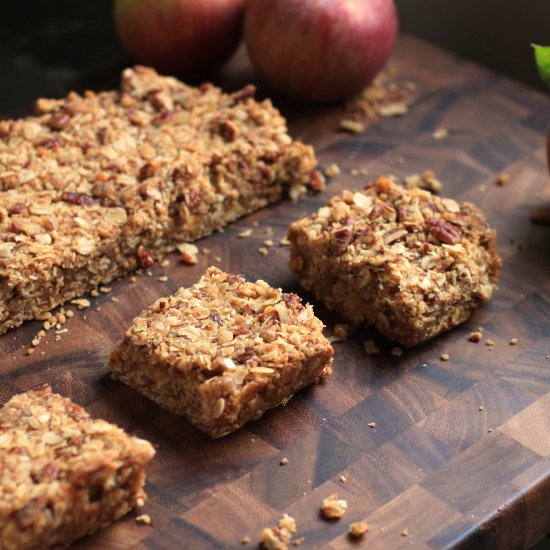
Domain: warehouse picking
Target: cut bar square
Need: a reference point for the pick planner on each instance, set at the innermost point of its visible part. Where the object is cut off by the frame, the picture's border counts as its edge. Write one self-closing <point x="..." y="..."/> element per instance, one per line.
<point x="406" y="261"/>
<point x="223" y="351"/>
<point x="63" y="475"/>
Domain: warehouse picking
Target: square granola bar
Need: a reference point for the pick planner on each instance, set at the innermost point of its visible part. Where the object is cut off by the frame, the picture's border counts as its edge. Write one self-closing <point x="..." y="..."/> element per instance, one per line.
<point x="63" y="475"/>
<point x="409" y="262"/>
<point x="223" y="351"/>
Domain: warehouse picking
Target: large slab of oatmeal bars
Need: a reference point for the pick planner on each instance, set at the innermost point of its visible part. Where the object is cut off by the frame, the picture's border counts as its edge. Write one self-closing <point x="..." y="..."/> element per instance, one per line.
<point x="439" y="445"/>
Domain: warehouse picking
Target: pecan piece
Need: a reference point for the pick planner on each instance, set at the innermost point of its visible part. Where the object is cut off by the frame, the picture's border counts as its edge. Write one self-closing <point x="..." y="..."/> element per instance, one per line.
<point x="377" y="211"/>
<point x="17" y="208"/>
<point x="228" y="129"/>
<point x="342" y="239"/>
<point x="48" y="143"/>
<point x="444" y="231"/>
<point x="291" y="299"/>
<point x="58" y="121"/>
<point x="144" y="257"/>
<point x="79" y="199"/>
<point x="231" y="278"/>
<point x="242" y="95"/>
<point x="147" y="171"/>
<point x="317" y="181"/>
<point x="155" y="99"/>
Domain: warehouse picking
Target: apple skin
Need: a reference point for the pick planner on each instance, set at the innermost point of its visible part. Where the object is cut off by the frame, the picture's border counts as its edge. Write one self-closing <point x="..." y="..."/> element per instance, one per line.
<point x="188" y="38"/>
<point x="319" y="50"/>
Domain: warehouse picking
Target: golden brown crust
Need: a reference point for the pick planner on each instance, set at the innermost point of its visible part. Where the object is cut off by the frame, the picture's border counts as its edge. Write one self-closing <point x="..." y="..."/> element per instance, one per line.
<point x="406" y="261"/>
<point x="223" y="351"/>
<point x="63" y="474"/>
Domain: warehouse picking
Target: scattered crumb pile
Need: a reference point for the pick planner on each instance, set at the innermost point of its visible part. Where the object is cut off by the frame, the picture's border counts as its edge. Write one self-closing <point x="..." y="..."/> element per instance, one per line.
<point x="386" y="96"/>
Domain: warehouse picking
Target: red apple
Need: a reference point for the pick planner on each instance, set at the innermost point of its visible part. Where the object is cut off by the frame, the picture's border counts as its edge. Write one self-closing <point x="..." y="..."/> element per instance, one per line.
<point x="319" y="50"/>
<point x="183" y="37"/>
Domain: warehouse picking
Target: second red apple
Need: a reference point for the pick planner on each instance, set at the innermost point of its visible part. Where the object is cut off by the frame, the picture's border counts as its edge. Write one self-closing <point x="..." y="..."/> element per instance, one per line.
<point x="319" y="50"/>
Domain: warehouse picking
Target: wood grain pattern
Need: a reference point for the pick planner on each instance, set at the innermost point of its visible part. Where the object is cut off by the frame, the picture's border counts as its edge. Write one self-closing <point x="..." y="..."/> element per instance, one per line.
<point x="460" y="452"/>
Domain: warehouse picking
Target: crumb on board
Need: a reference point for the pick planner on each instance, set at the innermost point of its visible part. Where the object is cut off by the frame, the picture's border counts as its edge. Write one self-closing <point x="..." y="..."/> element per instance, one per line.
<point x="163" y="278"/>
<point x="317" y="182"/>
<point x="340" y="333"/>
<point x="489" y="342"/>
<point x="287" y="522"/>
<point x="279" y="537"/>
<point x="444" y="356"/>
<point x="332" y="170"/>
<point x="475" y="336"/>
<point x="352" y="126"/>
<point x="299" y="541"/>
<point x="358" y="529"/>
<point x="502" y="179"/>
<point x="343" y="478"/>
<point x="145" y="519"/>
<point x="333" y="507"/>
<point x="264" y="251"/>
<point x="165" y="263"/>
<point x="514" y="341"/>
<point x="396" y="351"/>
<point x="440" y="133"/>
<point x="105" y="289"/>
<point x="245" y="540"/>
<point x="427" y="180"/>
<point x="398" y="108"/>
<point x="245" y="233"/>
<point x="283" y="461"/>
<point x="189" y="253"/>
<point x="372" y="424"/>
<point x="359" y="172"/>
<point x="82" y="303"/>
<point x="405" y="532"/>
<point x="370" y="347"/>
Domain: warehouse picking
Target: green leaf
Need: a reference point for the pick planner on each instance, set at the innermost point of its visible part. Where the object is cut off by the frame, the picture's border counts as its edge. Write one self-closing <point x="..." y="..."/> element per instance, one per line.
<point x="542" y="57"/>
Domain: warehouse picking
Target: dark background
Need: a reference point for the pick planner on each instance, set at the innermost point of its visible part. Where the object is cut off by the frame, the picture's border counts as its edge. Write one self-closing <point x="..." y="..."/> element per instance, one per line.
<point x="50" y="46"/>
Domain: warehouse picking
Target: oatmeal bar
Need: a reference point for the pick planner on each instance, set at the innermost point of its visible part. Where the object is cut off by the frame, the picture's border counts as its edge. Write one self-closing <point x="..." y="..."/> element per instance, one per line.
<point x="163" y="162"/>
<point x="223" y="351"/>
<point x="406" y="261"/>
<point x="63" y="475"/>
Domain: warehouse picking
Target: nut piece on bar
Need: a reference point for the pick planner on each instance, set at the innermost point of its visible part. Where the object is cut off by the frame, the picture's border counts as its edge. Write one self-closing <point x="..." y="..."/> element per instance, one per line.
<point x="63" y="475"/>
<point x="223" y="351"/>
<point x="406" y="261"/>
<point x="97" y="185"/>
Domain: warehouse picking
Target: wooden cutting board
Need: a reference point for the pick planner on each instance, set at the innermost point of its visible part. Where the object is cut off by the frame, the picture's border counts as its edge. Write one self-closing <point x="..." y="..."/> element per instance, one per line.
<point x="460" y="451"/>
